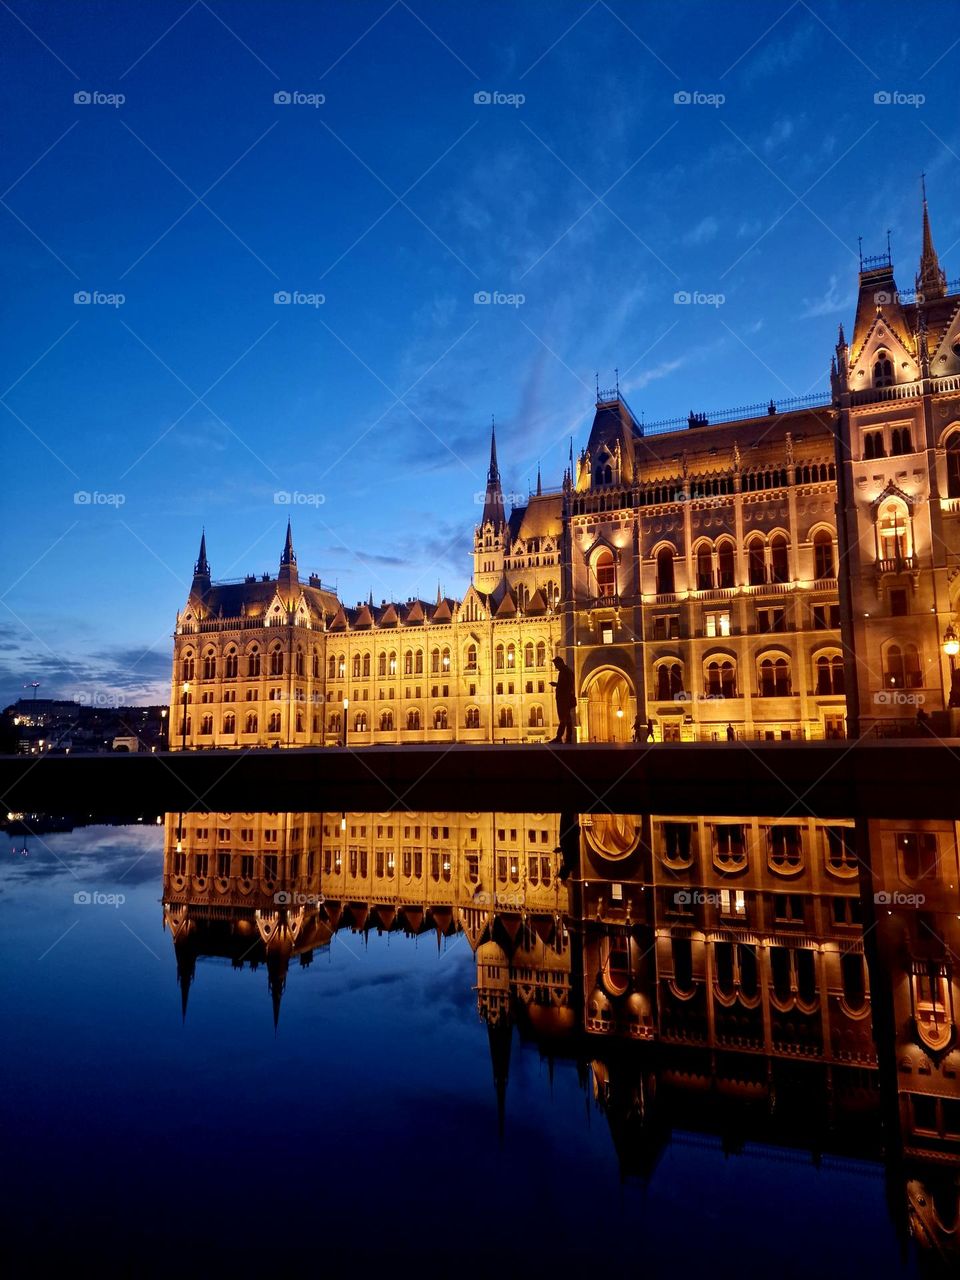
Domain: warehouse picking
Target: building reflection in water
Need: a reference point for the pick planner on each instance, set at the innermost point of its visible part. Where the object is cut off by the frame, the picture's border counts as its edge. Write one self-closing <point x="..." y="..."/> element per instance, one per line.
<point x="789" y="982"/>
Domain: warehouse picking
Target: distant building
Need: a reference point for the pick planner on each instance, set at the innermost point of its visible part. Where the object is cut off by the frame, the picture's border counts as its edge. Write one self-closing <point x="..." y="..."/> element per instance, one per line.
<point x="693" y="572"/>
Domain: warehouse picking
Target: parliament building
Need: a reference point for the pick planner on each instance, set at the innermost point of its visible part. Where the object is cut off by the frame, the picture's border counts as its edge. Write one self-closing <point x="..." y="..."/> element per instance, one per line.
<point x="787" y="570"/>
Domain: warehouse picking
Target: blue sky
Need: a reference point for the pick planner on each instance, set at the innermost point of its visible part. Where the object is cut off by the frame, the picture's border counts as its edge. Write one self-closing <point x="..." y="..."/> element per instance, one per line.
<point x="198" y="398"/>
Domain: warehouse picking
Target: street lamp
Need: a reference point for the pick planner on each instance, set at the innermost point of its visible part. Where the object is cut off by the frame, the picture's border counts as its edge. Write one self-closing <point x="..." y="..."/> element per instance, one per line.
<point x="164" y="727"/>
<point x="346" y="708"/>
<point x="183" y="725"/>
<point x="951" y="647"/>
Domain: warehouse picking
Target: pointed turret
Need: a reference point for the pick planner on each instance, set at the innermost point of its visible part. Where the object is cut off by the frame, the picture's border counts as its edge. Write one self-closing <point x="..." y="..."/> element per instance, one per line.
<point x="500" y="1039"/>
<point x="201" y="570"/>
<point x="539" y="484"/>
<point x="931" y="279"/>
<point x="493" y="499"/>
<point x="288" y="579"/>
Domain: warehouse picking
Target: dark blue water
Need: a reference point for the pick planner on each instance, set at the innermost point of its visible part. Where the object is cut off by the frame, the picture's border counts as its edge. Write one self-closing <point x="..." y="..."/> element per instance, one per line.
<point x="362" y="1131"/>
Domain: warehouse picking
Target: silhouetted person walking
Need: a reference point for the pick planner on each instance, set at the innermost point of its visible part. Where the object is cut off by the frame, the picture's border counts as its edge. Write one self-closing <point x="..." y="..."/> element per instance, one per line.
<point x="650" y="735"/>
<point x="731" y="735"/>
<point x="566" y="701"/>
<point x="638" y="728"/>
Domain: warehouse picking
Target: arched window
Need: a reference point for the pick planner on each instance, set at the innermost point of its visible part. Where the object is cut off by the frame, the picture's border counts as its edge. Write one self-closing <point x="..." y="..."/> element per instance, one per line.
<point x="445" y="662"/>
<point x="251" y="722"/>
<point x="665" y="576"/>
<point x="273" y="726"/>
<point x="366" y="665"/>
<point x="332" y="667"/>
<point x="823" y="554"/>
<point x="472" y="720"/>
<point x="606" y="573"/>
<point x="506" y="718"/>
<point x="209" y="665"/>
<point x="873" y="444"/>
<point x="470" y="658"/>
<point x="206" y="724"/>
<point x="883" y="370"/>
<point x="298" y="661"/>
<point x="669" y="680"/>
<point x="229" y="723"/>
<point x="953" y="466"/>
<point x="900" y="441"/>
<point x="434" y="660"/>
<point x="418" y="663"/>
<point x="756" y="568"/>
<point x="381" y="663"/>
<point x="511" y="657"/>
<point x="721" y="679"/>
<point x="528" y="655"/>
<point x="536" y="717"/>
<point x="523" y="595"/>
<point x="408" y="662"/>
<point x="230" y="665"/>
<point x="336" y="722"/>
<point x="704" y="567"/>
<point x="440" y="718"/>
<point x="893" y="533"/>
<point x="393" y="662"/>
<point x="774" y="678"/>
<point x="360" y="722"/>
<point x="413" y="719"/>
<point x="902" y="667"/>
<point x="386" y="721"/>
<point x="779" y="561"/>
<point x="498" y="657"/>
<point x="356" y="666"/>
<point x="316" y="664"/>
<point x="725" y="565"/>
<point x="829" y="674"/>
<point x="541" y="654"/>
<point x="276" y="662"/>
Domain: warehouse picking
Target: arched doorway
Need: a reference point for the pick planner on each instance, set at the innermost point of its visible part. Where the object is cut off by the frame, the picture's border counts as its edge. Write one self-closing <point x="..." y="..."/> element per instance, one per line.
<point x="607" y="707"/>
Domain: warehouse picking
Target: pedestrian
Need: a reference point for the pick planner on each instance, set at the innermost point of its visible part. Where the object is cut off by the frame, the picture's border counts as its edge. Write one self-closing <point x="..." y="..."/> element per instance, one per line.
<point x="731" y="736"/>
<point x="651" y="736"/>
<point x="566" y="701"/>
<point x="637" y="727"/>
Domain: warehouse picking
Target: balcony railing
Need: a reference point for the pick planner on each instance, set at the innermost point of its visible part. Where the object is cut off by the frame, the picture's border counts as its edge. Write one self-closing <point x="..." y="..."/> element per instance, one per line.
<point x="900" y="564"/>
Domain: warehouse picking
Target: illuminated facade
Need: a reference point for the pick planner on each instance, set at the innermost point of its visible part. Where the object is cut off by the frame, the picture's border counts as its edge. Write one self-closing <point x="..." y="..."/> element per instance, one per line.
<point x="694" y="573"/>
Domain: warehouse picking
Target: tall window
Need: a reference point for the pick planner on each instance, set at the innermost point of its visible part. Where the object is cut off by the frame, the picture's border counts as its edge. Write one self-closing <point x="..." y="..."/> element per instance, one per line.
<point x="528" y="655"/>
<point x="230" y="665"/>
<point x="506" y="718"/>
<point x="823" y="554"/>
<point x="356" y="666"/>
<point x="408" y="663"/>
<point x="473" y="718"/>
<point x="725" y="565"/>
<point x="276" y="662"/>
<point x="779" y="562"/>
<point x="440" y="718"/>
<point x="902" y="668"/>
<point x="386" y="721"/>
<point x="498" y="657"/>
<point x="381" y="663"/>
<point x="953" y="466"/>
<point x="536" y="717"/>
<point x="873" y="444"/>
<point x="435" y="660"/>
<point x="900" y="441"/>
<point x="721" y="681"/>
<point x="883" y="370"/>
<point x="756" y="569"/>
<point x="470" y="658"/>
<point x="541" y="654"/>
<point x="606" y="574"/>
<point x="665" y="577"/>
<point x="209" y="666"/>
<point x="774" y="678"/>
<point x="704" y="567"/>
<point x="669" y="680"/>
<point x="413" y="719"/>
<point x="893" y="532"/>
<point x="830" y="674"/>
<point x="366" y="665"/>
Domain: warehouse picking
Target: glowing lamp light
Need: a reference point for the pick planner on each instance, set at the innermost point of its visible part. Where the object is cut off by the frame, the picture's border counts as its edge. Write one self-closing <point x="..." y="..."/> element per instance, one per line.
<point x="619" y="713"/>
<point x="951" y="642"/>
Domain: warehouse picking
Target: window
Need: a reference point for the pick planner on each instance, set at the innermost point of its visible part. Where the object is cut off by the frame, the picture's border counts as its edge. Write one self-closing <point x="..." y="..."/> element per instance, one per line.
<point x="841" y="854"/>
<point x="606" y="573"/>
<point x="779" y="563"/>
<point x="704" y="567"/>
<point x="386" y="721"/>
<point x="883" y="370"/>
<point x="725" y="565"/>
<point x="676" y="841"/>
<point x="187" y="667"/>
<point x="435" y="660"/>
<point x="473" y="718"/>
<point x="536" y="717"/>
<point x="528" y="655"/>
<point x="829" y="674"/>
<point x="902" y="667"/>
<point x="440" y="718"/>
<point x="498" y="657"/>
<point x="229" y="723"/>
<point x="273" y="726"/>
<point x="665" y="574"/>
<point x="470" y="658"/>
<point x="360" y="722"/>
<point x="505" y="719"/>
<point x="774" y="678"/>
<point x="953" y="466"/>
<point x="823" y="554"/>
<point x="230" y="665"/>
<point x="408" y="663"/>
<point x="251" y="722"/>
<point x="729" y="848"/>
<point x="206" y="724"/>
<point x="893" y="533"/>
<point x="771" y="620"/>
<point x="873" y="444"/>
<point x="756" y="568"/>
<point x="826" y="617"/>
<point x="669" y="680"/>
<point x="918" y="854"/>
<point x="276" y="662"/>
<point x="366" y="665"/>
<point x="900" y="441"/>
<point x="786" y="853"/>
<point x="899" y="606"/>
<point x="209" y="667"/>
<point x="721" y="681"/>
<point x="541" y="654"/>
<point x="413" y="719"/>
<point x="717" y="624"/>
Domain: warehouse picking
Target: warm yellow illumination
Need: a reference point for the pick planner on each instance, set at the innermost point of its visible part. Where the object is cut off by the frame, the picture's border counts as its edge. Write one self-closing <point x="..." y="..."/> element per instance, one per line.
<point x="951" y="642"/>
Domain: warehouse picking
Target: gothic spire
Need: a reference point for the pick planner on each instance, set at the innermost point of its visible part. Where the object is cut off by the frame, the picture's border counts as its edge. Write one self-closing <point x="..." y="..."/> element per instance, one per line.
<point x="289" y="556"/>
<point x="201" y="570"/>
<point x="288" y="579"/>
<point x="539" y="485"/>
<point x="493" y="498"/>
<point x="931" y="279"/>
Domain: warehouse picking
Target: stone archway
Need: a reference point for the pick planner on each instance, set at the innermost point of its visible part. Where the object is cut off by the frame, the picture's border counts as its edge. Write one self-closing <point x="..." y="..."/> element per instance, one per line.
<point x="607" y="707"/>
